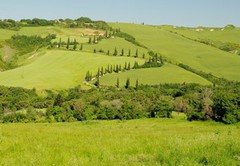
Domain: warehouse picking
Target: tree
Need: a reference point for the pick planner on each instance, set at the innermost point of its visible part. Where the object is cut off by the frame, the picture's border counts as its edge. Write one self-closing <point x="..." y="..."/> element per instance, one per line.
<point x="125" y="66"/>
<point x="161" y="60"/>
<point x="115" y="52"/>
<point x="102" y="72"/>
<point x="58" y="100"/>
<point x="97" y="83"/>
<point x="89" y="40"/>
<point x="136" y="53"/>
<point x="136" y="84"/>
<point x="129" y="52"/>
<point x="68" y="43"/>
<point x="60" y="42"/>
<point x="75" y="45"/>
<point x="81" y="47"/>
<point x="143" y="56"/>
<point x="94" y="50"/>
<point x="87" y="77"/>
<point x="122" y="52"/>
<point x="135" y="65"/>
<point x="94" y="40"/>
<point x="129" y="66"/>
<point x="127" y="83"/>
<point x="117" y="85"/>
<point x="108" y="52"/>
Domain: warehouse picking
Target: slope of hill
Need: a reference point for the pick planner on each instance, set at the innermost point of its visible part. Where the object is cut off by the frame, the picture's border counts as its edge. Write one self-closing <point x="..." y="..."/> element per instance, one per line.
<point x="119" y="44"/>
<point x="181" y="50"/>
<point x="153" y="76"/>
<point x="59" y="69"/>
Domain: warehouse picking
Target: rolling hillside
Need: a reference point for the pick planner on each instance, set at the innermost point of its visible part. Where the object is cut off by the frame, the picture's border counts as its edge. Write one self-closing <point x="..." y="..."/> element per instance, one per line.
<point x="153" y="76"/>
<point x="181" y="50"/>
<point x="59" y="69"/>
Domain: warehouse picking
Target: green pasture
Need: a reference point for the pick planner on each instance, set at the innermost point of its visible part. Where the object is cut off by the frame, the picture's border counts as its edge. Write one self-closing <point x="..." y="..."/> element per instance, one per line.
<point x="181" y="50"/>
<point x="60" y="69"/>
<point x="154" y="76"/>
<point x="134" y="142"/>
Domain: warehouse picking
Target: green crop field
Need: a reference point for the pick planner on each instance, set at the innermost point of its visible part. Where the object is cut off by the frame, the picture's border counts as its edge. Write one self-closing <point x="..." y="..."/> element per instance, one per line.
<point x="59" y="69"/>
<point x="181" y="50"/>
<point x="136" y="142"/>
<point x="153" y="76"/>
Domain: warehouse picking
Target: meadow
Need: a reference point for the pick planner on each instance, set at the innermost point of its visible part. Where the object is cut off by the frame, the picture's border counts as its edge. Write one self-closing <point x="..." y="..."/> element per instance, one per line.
<point x="181" y="50"/>
<point x="135" y="142"/>
<point x="168" y="73"/>
<point x="59" y="69"/>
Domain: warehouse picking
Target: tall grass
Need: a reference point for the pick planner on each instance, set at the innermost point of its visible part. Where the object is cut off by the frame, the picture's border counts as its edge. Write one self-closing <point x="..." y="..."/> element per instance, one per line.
<point x="136" y="142"/>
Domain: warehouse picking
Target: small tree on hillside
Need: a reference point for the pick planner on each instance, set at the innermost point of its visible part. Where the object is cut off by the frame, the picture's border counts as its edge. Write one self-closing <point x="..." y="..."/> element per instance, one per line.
<point x="89" y="40"/>
<point x="129" y="66"/>
<point x="136" y="55"/>
<point x="115" y="52"/>
<point x="60" y="43"/>
<point x="68" y="43"/>
<point x="75" y="44"/>
<point x="117" y="84"/>
<point x="94" y="40"/>
<point x="81" y="47"/>
<point x="127" y="83"/>
<point x="143" y="56"/>
<point x="129" y="52"/>
<point x="94" y="50"/>
<point x="122" y="54"/>
<point x="136" y="84"/>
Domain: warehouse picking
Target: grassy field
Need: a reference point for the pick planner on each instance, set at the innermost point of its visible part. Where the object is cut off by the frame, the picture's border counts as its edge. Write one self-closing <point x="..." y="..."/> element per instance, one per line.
<point x="153" y="76"/>
<point x="215" y="34"/>
<point x="119" y="44"/>
<point x="60" y="69"/>
<point x="181" y="50"/>
<point x="136" y="142"/>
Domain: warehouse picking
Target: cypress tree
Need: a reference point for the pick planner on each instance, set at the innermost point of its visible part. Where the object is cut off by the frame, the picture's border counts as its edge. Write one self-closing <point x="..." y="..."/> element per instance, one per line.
<point x="97" y="83"/>
<point x="94" y="50"/>
<point x="60" y="42"/>
<point x="98" y="73"/>
<point x="115" y="52"/>
<point x="94" y="40"/>
<point x="90" y="40"/>
<point x="111" y="69"/>
<point x="106" y="34"/>
<point x="136" y="84"/>
<point x="75" y="44"/>
<point x="122" y="52"/>
<point x="87" y="77"/>
<point x="81" y="47"/>
<point x="135" y="66"/>
<point x="125" y="66"/>
<point x="102" y="71"/>
<point x="161" y="60"/>
<point x="117" y="69"/>
<point x="129" y="66"/>
<point x="136" y="53"/>
<point x="108" y="52"/>
<point x="117" y="84"/>
<point x="129" y="52"/>
<point x="108" y="68"/>
<point x="120" y="68"/>
<point x="68" y="43"/>
<point x="127" y="83"/>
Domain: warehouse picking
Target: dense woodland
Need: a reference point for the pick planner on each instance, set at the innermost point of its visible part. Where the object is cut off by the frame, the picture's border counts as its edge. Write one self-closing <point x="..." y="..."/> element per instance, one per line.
<point x="140" y="101"/>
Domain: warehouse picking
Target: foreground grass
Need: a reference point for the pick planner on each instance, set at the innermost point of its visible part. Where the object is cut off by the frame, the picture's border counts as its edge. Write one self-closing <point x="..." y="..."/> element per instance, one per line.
<point x="135" y="142"/>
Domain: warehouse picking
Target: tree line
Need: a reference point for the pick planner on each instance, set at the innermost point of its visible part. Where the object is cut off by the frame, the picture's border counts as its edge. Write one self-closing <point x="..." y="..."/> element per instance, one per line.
<point x="196" y="101"/>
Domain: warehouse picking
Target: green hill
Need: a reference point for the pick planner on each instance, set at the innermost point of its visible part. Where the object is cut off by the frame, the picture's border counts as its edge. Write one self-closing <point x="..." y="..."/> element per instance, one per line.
<point x="152" y="76"/>
<point x="59" y="69"/>
<point x="181" y="50"/>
